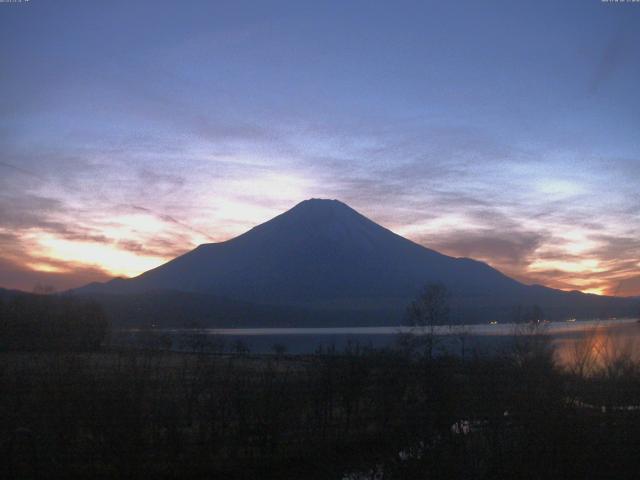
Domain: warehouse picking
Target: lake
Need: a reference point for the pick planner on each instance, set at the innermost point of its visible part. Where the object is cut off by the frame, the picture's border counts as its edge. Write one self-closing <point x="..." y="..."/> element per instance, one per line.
<point x="595" y="340"/>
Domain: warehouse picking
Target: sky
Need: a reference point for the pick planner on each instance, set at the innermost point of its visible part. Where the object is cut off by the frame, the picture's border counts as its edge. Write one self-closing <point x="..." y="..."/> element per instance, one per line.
<point x="505" y="131"/>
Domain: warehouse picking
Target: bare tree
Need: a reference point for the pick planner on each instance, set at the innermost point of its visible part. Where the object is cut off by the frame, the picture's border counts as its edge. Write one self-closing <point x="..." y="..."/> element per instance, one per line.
<point x="461" y="332"/>
<point x="430" y="309"/>
<point x="279" y="349"/>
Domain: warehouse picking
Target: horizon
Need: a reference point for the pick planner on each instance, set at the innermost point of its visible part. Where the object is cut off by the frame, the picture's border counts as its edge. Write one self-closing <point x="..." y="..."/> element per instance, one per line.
<point x="135" y="131"/>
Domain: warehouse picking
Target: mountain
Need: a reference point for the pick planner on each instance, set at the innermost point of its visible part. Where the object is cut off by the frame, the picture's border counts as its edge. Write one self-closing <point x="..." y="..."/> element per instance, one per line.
<point x="6" y="293"/>
<point x="324" y="257"/>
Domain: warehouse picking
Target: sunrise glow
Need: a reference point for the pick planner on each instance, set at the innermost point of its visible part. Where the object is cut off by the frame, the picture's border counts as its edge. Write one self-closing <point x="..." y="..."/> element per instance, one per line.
<point x="116" y="261"/>
<point x="124" y="154"/>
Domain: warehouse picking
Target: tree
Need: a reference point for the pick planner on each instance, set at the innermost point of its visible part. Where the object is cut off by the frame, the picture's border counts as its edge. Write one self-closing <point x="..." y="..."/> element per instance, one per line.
<point x="279" y="349"/>
<point x="429" y="309"/>
<point x="239" y="347"/>
<point x="52" y="322"/>
<point x="461" y="332"/>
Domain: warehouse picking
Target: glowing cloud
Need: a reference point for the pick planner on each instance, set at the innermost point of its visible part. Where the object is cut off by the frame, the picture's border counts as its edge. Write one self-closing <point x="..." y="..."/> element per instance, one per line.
<point x="110" y="258"/>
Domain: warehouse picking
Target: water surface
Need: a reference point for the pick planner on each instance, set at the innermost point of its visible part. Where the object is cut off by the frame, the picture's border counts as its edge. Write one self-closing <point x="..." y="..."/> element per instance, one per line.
<point x="593" y="341"/>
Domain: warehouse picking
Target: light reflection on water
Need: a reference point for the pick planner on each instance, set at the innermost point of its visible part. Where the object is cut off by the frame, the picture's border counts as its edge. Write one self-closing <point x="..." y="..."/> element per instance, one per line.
<point x="599" y="346"/>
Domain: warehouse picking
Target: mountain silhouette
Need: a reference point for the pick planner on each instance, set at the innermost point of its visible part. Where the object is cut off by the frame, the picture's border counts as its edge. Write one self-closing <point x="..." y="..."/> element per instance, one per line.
<point x="322" y="254"/>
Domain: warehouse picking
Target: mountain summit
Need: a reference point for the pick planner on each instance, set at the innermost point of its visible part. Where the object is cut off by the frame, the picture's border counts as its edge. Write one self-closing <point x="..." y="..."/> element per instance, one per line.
<point x="318" y="252"/>
<point x="322" y="254"/>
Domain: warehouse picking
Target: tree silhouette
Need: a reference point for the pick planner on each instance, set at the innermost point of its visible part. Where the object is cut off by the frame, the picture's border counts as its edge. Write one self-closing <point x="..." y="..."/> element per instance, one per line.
<point x="430" y="309"/>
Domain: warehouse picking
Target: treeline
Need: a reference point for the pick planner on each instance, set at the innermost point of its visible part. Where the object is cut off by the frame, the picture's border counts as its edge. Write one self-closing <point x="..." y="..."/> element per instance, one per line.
<point x="31" y="322"/>
<point x="393" y="414"/>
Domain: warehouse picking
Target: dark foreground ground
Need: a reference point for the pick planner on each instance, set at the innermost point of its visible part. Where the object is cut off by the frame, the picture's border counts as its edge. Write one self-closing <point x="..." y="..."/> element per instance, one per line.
<point x="362" y="414"/>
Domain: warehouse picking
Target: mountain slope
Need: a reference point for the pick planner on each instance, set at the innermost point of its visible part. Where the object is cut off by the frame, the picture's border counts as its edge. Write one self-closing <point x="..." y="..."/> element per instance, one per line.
<point x="322" y="254"/>
<point x="319" y="251"/>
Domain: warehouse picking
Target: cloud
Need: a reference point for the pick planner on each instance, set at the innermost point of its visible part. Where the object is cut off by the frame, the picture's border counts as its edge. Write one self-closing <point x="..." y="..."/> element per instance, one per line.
<point x="629" y="287"/>
<point x="17" y="276"/>
<point x="23" y="268"/>
<point x="509" y="250"/>
<point x="20" y="170"/>
<point x="165" y="181"/>
<point x="215" y="176"/>
<point x="26" y="210"/>
<point x="170" y="219"/>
